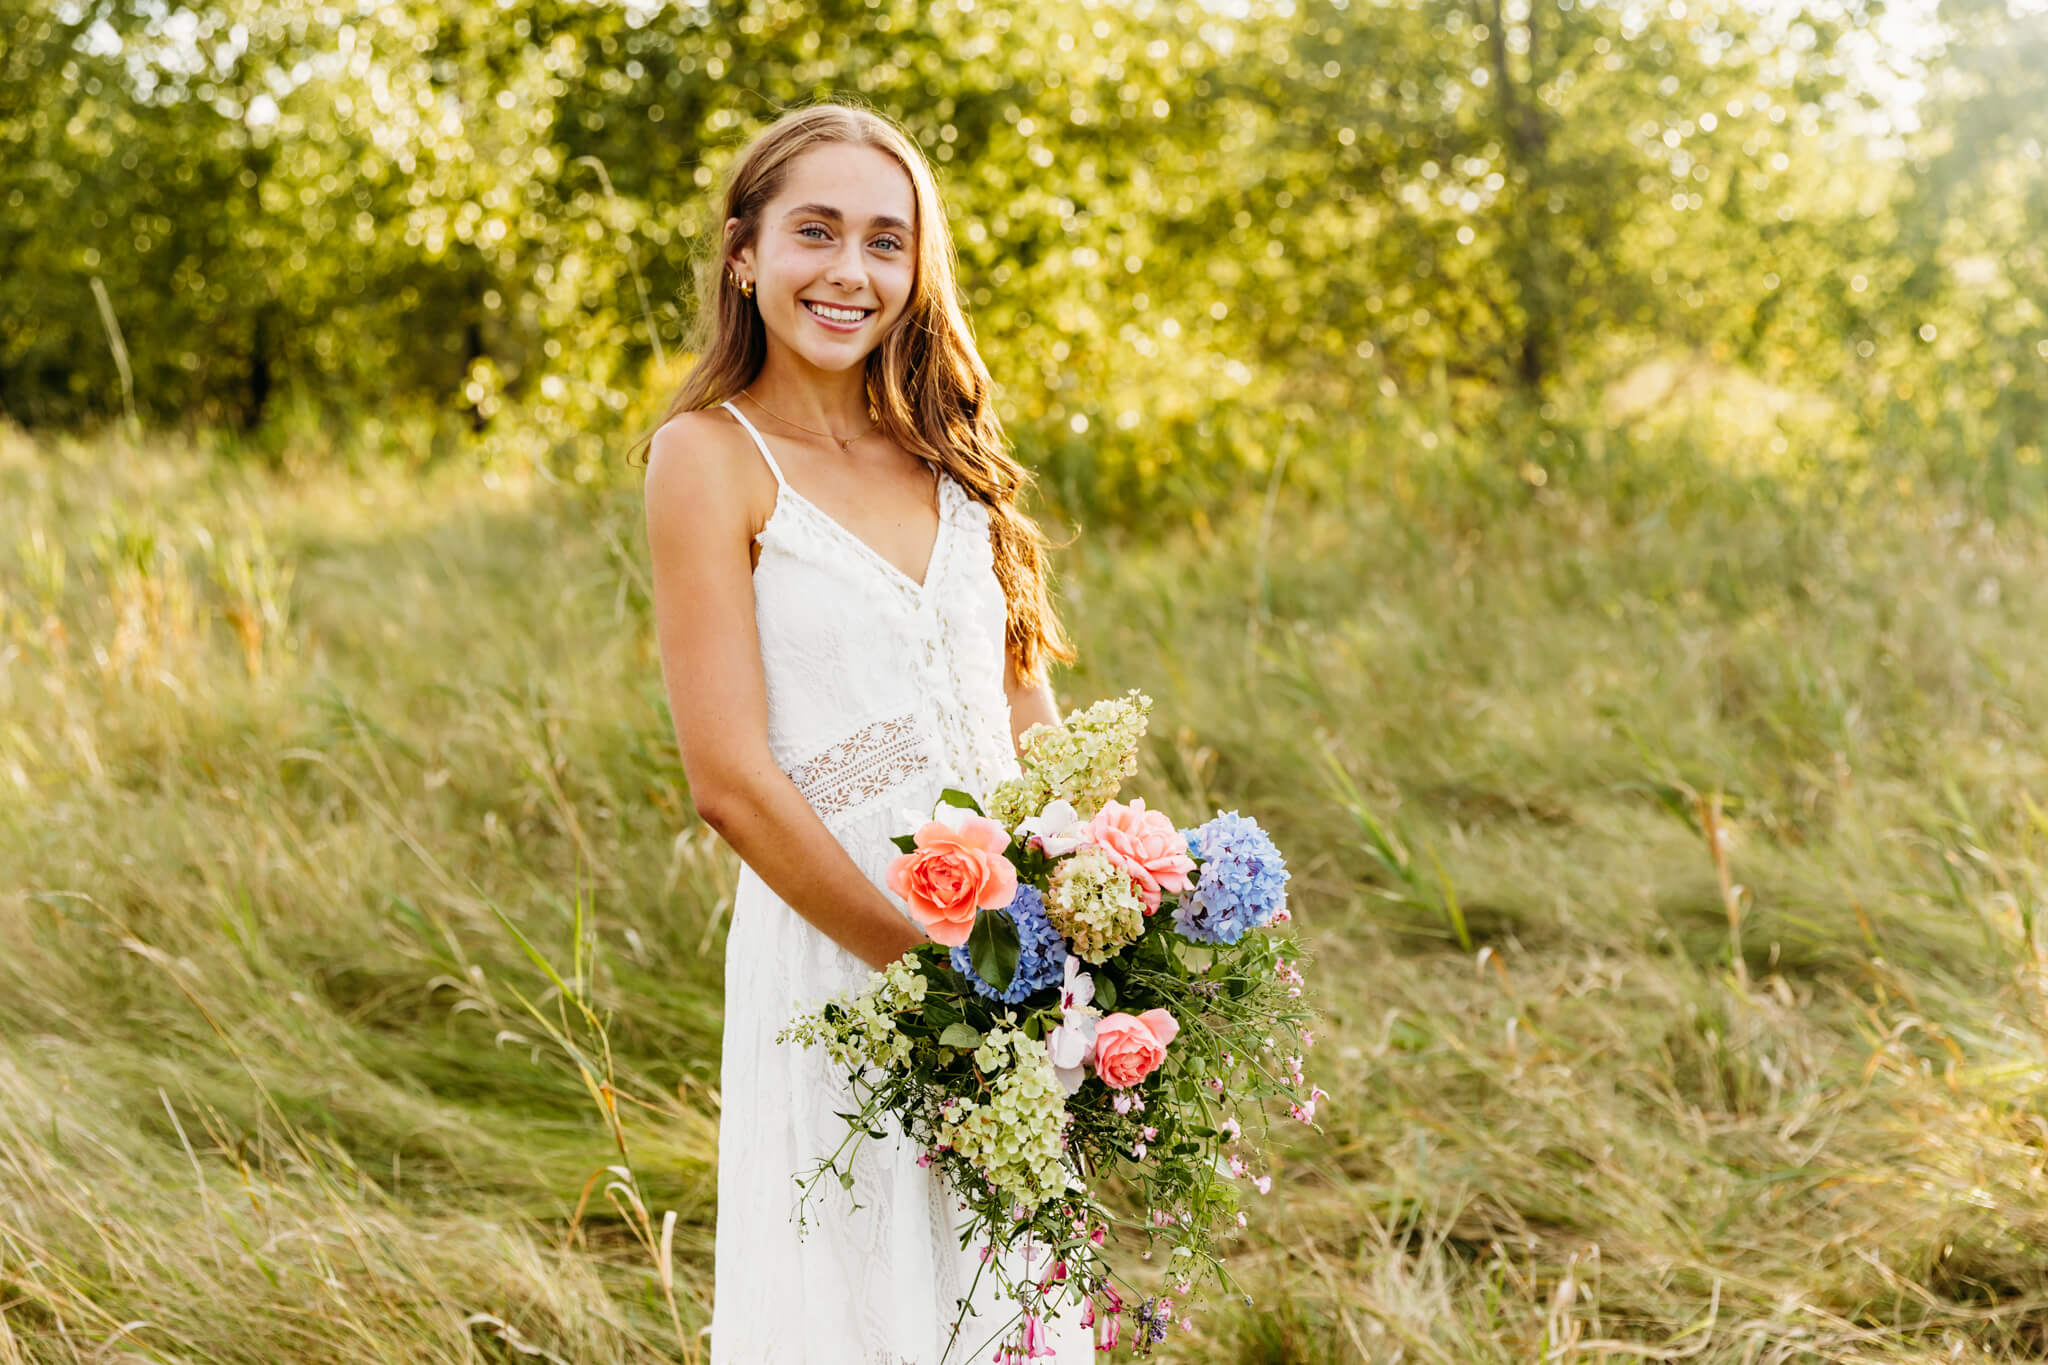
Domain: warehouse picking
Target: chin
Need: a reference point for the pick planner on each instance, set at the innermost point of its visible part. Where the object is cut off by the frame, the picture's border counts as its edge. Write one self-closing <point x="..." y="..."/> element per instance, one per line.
<point x="838" y="358"/>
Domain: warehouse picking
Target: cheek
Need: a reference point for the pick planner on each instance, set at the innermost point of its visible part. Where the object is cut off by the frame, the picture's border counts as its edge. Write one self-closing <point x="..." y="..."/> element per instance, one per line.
<point x="896" y="283"/>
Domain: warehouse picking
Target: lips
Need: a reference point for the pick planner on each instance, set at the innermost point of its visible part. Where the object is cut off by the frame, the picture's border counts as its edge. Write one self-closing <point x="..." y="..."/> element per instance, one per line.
<point x="813" y="305"/>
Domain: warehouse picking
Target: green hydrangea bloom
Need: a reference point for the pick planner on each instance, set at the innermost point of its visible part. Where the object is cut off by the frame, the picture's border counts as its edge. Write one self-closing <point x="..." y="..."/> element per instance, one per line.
<point x="1090" y="899"/>
<point x="1013" y="1134"/>
<point x="1085" y="760"/>
<point x="866" y="1033"/>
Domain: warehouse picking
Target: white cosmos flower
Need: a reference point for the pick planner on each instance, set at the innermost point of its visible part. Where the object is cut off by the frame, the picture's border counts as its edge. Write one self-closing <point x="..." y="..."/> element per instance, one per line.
<point x="945" y="812"/>
<point x="1071" y="1046"/>
<point x="1077" y="990"/>
<point x="1058" y="828"/>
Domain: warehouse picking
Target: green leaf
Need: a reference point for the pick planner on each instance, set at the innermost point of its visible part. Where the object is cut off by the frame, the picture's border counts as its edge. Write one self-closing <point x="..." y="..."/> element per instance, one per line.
<point x="961" y="1035"/>
<point x="953" y="796"/>
<point x="1452" y="910"/>
<point x="1105" y="992"/>
<point x="992" y="947"/>
<point x="906" y="843"/>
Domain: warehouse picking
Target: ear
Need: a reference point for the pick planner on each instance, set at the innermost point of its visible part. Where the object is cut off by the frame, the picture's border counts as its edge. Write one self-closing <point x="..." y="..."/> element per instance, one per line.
<point x="743" y="259"/>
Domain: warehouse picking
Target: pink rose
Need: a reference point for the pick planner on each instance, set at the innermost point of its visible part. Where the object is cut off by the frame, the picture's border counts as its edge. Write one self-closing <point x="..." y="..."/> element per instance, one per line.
<point x="957" y="868"/>
<point x="1130" y="1047"/>
<point x="1147" y="845"/>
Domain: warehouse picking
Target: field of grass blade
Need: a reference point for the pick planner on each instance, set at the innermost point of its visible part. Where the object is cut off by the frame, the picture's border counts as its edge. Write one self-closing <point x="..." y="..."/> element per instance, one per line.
<point x="1672" y="851"/>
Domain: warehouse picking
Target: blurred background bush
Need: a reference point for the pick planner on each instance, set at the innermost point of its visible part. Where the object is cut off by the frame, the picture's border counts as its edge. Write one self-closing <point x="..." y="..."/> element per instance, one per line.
<point x="1192" y="234"/>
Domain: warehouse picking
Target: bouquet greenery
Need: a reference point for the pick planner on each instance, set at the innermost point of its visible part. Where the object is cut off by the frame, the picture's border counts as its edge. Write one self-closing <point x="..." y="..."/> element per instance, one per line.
<point x="1102" y="994"/>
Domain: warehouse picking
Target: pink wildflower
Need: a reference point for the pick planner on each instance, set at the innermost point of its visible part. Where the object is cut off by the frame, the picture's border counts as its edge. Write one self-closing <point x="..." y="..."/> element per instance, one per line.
<point x="1036" y="1338"/>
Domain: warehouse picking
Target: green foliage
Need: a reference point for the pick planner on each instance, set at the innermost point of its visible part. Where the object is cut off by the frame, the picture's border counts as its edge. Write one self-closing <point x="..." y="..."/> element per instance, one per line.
<point x="1181" y="231"/>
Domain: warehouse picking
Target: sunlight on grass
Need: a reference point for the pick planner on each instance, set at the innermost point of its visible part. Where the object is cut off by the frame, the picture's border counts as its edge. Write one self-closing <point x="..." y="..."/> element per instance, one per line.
<point x="1674" y="853"/>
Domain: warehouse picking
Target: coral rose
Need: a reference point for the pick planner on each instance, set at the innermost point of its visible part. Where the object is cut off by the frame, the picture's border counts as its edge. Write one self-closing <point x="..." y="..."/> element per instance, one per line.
<point x="956" y="868"/>
<point x="1130" y="1047"/>
<point x="1147" y="846"/>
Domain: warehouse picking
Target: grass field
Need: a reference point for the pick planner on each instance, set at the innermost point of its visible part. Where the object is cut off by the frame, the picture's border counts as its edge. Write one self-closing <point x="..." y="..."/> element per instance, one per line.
<point x="1672" y="847"/>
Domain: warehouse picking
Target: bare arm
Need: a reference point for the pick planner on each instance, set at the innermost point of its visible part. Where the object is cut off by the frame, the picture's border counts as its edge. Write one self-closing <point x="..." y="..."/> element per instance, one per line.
<point x="1030" y="704"/>
<point x="699" y="535"/>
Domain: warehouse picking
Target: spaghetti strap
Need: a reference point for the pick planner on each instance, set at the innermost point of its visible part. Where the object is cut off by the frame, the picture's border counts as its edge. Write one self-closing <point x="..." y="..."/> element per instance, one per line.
<point x="773" y="467"/>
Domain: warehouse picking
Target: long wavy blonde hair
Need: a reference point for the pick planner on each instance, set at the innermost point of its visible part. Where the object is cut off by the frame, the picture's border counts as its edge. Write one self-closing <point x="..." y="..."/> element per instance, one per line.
<point x="925" y="380"/>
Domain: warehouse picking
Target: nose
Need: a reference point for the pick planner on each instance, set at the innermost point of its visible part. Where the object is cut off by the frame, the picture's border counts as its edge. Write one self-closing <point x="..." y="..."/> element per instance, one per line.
<point x="847" y="269"/>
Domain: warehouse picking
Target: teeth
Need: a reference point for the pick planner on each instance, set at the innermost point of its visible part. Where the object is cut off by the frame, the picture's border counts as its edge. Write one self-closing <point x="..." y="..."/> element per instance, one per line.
<point x="836" y="314"/>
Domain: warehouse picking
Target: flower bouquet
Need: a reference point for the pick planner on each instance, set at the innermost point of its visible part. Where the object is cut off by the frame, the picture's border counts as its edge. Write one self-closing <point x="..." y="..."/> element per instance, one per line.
<point x="1098" y="996"/>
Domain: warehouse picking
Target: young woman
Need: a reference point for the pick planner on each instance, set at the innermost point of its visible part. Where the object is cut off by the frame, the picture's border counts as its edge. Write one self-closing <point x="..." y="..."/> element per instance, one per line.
<point x="853" y="614"/>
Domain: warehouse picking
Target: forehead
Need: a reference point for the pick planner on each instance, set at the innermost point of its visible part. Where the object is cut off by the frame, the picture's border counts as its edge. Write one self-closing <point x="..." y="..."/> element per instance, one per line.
<point x="863" y="183"/>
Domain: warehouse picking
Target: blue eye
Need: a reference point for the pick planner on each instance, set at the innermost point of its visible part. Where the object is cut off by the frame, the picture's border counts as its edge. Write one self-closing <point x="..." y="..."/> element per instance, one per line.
<point x="815" y="227"/>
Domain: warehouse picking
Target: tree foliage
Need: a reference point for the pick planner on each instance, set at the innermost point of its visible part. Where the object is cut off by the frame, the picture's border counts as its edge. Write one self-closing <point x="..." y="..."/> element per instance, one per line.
<point x="1164" y="212"/>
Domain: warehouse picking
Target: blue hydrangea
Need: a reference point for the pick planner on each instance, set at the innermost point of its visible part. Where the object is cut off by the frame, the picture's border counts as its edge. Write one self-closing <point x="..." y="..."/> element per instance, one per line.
<point x="1242" y="882"/>
<point x="1041" y="952"/>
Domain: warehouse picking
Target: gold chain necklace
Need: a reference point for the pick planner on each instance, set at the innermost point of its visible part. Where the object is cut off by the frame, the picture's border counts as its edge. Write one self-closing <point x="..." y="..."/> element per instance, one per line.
<point x="843" y="441"/>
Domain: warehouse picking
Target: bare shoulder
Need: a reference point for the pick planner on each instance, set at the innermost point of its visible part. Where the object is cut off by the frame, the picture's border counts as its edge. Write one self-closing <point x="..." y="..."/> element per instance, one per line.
<point x="704" y="475"/>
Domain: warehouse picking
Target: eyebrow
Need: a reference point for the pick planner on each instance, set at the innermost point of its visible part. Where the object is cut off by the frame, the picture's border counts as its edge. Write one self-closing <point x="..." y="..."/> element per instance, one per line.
<point x="827" y="211"/>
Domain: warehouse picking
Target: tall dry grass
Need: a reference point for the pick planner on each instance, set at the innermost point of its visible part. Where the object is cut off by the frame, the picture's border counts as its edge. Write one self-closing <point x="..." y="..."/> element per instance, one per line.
<point x="1672" y="840"/>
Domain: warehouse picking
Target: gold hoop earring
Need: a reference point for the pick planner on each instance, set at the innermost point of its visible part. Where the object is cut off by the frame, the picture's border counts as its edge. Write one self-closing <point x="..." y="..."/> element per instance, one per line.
<point x="746" y="287"/>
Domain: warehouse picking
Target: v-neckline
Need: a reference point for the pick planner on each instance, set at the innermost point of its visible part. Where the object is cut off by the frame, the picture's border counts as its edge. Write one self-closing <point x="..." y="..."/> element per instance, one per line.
<point x="917" y="587"/>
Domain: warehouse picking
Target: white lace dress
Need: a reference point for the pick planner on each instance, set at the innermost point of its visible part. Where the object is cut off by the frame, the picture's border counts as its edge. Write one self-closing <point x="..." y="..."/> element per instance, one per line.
<point x="880" y="693"/>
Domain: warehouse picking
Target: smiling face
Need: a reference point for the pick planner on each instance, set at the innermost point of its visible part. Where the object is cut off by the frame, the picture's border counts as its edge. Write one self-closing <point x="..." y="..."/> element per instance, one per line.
<point x="836" y="254"/>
